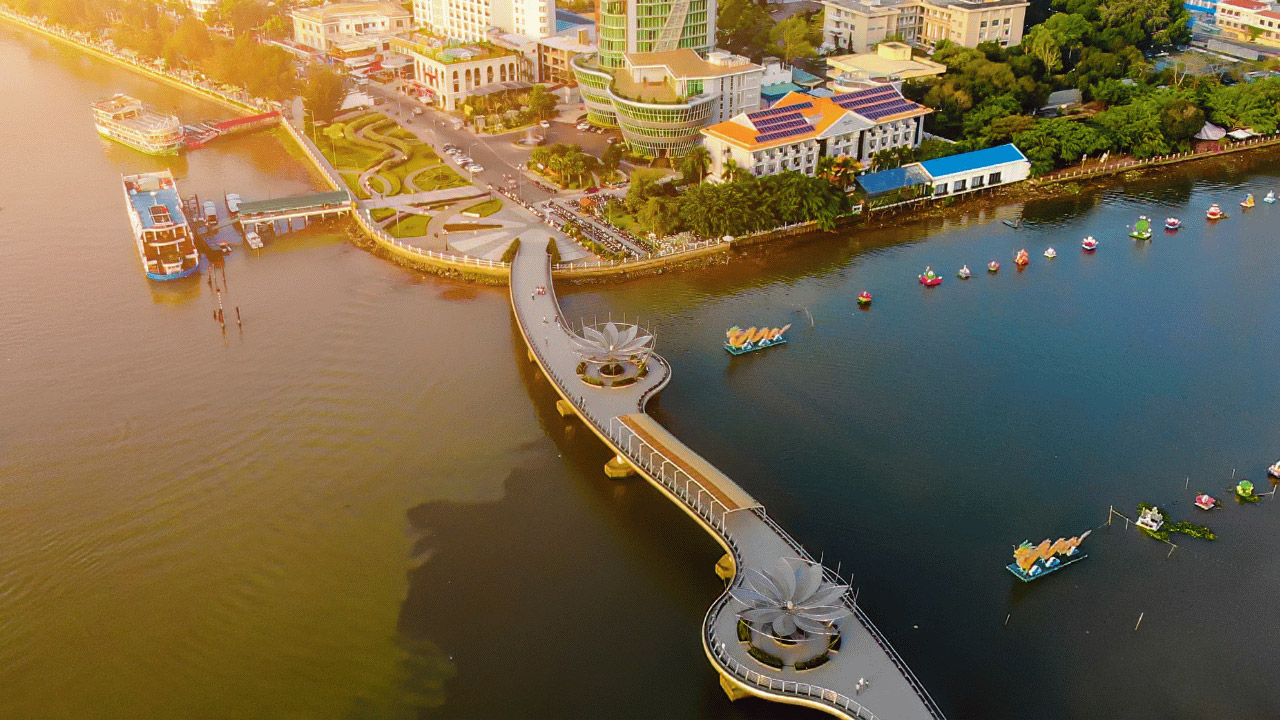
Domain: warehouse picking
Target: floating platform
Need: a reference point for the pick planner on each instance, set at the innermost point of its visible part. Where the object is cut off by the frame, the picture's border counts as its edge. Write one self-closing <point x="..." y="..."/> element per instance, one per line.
<point x="1024" y="577"/>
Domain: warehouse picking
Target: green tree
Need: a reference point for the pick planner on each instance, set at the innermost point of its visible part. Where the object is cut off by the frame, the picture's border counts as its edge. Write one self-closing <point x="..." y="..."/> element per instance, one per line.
<point x="743" y="27"/>
<point x="792" y="39"/>
<point x="694" y="164"/>
<point x="541" y="103"/>
<point x="323" y="91"/>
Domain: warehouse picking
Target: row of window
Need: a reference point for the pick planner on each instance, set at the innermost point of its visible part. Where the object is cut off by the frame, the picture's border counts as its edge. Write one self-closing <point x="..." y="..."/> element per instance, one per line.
<point x="975" y="183"/>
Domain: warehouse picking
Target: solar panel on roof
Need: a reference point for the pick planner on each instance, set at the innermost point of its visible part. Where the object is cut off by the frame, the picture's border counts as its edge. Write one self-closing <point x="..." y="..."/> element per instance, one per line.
<point x="776" y="119"/>
<point x="159" y="214"/>
<point x="778" y="110"/>
<point x="779" y="134"/>
<point x="789" y="123"/>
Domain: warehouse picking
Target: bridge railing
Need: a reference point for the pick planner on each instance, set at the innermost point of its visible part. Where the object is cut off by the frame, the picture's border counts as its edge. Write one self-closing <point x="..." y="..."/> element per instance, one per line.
<point x="384" y="237"/>
<point x="849" y="601"/>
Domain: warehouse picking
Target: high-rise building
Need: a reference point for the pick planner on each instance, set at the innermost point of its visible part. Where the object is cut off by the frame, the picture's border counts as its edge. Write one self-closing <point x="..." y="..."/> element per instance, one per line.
<point x="471" y="20"/>
<point x="658" y="77"/>
<point x="323" y="26"/>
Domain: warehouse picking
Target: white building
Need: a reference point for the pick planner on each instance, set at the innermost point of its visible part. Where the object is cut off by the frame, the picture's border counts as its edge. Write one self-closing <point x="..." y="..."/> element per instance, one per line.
<point x="446" y="75"/>
<point x="200" y="7"/>
<point x="967" y="172"/>
<point x="471" y="20"/>
<point x="954" y="174"/>
<point x="857" y="25"/>
<point x="322" y="26"/>
<point x="799" y="129"/>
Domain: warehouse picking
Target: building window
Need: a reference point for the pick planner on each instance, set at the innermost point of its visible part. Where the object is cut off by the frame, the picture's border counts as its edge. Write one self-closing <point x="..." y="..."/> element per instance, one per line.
<point x="977" y="182"/>
<point x="994" y="178"/>
<point x="941" y="189"/>
<point x="959" y="185"/>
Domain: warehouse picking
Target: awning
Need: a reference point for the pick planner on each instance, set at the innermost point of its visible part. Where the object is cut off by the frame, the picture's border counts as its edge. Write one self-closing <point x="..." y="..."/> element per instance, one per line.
<point x="1211" y="132"/>
<point x="1242" y="134"/>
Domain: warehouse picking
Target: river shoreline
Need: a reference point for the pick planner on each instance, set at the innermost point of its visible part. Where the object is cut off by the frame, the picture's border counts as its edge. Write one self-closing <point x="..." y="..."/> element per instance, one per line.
<point x="1060" y="184"/>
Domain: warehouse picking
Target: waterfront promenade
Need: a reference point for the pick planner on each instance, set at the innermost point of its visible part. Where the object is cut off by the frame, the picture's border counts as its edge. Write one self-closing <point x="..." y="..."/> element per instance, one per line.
<point x="733" y="518"/>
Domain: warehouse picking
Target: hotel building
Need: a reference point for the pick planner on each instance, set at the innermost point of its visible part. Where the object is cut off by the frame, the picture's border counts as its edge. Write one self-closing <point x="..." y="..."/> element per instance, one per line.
<point x="799" y="129"/>
<point x="471" y="20"/>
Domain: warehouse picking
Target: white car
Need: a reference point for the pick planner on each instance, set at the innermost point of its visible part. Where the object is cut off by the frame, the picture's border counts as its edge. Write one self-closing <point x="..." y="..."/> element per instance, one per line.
<point x="464" y="161"/>
<point x="583" y="126"/>
<point x="544" y="124"/>
<point x="473" y="168"/>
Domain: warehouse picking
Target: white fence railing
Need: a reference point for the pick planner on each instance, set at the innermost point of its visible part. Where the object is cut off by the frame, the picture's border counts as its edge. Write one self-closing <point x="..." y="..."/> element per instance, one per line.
<point x="381" y="236"/>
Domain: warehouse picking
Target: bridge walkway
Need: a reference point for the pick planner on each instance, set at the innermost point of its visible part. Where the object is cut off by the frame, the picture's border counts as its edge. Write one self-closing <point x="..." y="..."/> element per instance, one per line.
<point x="733" y="518"/>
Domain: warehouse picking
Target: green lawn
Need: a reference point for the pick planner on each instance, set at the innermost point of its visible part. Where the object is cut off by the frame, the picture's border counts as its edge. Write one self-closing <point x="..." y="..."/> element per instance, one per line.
<point x="420" y="156"/>
<point x="380" y="214"/>
<point x="379" y="132"/>
<point x="352" y="181"/>
<point x="465" y="226"/>
<point x="378" y="184"/>
<point x="410" y="226"/>
<point x="625" y="221"/>
<point x="393" y="182"/>
<point x="439" y="178"/>
<point x="484" y="208"/>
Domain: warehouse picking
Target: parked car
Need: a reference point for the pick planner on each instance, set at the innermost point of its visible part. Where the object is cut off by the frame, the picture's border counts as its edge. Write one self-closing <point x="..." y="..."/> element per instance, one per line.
<point x="545" y="124"/>
<point x="473" y="168"/>
<point x="592" y="190"/>
<point x="614" y="140"/>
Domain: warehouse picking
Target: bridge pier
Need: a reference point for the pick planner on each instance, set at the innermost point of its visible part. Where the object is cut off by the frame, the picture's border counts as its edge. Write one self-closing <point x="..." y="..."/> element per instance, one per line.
<point x="619" y="467"/>
<point x="731" y="688"/>
<point x="725" y="568"/>
<point x="565" y="409"/>
<point x="531" y="357"/>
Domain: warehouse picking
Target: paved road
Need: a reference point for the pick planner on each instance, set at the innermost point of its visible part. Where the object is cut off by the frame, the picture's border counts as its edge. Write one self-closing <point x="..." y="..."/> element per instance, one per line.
<point x="724" y="508"/>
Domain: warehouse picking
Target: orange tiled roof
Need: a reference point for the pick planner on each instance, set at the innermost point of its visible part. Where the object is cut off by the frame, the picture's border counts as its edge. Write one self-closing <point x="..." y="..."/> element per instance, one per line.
<point x="820" y="113"/>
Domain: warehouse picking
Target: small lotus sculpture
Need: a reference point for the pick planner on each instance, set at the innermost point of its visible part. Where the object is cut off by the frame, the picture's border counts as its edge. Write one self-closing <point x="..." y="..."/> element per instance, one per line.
<point x="791" y="597"/>
<point x="612" y="344"/>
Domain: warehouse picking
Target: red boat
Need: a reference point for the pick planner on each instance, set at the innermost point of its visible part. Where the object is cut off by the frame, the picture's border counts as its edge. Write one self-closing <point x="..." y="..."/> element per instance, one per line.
<point x="1021" y="259"/>
<point x="864" y="298"/>
<point x="1089" y="244"/>
<point x="930" y="278"/>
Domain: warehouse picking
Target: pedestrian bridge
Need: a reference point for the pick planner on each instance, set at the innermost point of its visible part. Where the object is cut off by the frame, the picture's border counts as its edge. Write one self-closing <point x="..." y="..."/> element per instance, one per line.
<point x="750" y="538"/>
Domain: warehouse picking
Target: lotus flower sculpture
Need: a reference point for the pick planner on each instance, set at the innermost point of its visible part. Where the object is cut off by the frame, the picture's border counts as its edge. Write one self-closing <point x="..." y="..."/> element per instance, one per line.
<point x="612" y="344"/>
<point x="791" y="597"/>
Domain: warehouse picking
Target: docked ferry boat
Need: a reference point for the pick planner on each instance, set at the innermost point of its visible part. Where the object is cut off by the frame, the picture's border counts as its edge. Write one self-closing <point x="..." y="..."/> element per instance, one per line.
<point x="165" y="241"/>
<point x="125" y="120"/>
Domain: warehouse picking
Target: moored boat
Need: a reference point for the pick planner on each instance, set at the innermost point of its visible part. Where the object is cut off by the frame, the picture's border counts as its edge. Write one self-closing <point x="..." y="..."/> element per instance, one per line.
<point x="1204" y="501"/>
<point x="1141" y="229"/>
<point x="965" y="273"/>
<point x="1172" y="223"/>
<point x="126" y="121"/>
<point x="1021" y="259"/>
<point x="1274" y="470"/>
<point x="993" y="267"/>
<point x="210" y="213"/>
<point x="740" y="342"/>
<point x="1089" y="244"/>
<point x="160" y="229"/>
<point x="864" y="298"/>
<point x="929" y="278"/>
<point x="1247" y="202"/>
<point x="1031" y="562"/>
<point x="1214" y="212"/>
<point x="233" y="203"/>
<point x="1051" y="253"/>
<point x="1270" y="197"/>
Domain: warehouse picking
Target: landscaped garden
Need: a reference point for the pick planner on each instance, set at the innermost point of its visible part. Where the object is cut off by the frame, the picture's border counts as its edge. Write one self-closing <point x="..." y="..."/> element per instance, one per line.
<point x="404" y="163"/>
<point x="484" y="208"/>
<point x="409" y="226"/>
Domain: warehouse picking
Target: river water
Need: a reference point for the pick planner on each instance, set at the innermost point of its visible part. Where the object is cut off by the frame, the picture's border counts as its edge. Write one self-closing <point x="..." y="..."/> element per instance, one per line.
<point x="363" y="504"/>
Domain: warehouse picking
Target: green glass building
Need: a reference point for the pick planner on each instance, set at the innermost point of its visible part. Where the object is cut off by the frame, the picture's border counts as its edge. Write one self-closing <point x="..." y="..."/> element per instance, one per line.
<point x="657" y="76"/>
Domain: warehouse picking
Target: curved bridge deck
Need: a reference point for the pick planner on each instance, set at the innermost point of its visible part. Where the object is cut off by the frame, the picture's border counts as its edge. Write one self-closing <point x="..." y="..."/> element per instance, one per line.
<point x="736" y="521"/>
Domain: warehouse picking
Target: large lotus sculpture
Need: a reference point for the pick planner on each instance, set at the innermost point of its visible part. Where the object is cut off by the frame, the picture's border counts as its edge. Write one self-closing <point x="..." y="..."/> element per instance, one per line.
<point x="612" y="344"/>
<point x="792" y="596"/>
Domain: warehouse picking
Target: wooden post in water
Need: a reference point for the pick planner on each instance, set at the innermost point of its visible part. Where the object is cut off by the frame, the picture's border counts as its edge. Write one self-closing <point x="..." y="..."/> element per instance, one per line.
<point x="1171" y="549"/>
<point x="1135" y="627"/>
<point x="1006" y="619"/>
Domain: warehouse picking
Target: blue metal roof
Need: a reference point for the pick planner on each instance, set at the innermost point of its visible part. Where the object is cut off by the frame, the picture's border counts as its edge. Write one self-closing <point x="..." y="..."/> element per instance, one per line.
<point x="166" y="198"/>
<point x="566" y="20"/>
<point x="965" y="162"/>
<point x="885" y="181"/>
<point x="800" y="76"/>
<point x="776" y="91"/>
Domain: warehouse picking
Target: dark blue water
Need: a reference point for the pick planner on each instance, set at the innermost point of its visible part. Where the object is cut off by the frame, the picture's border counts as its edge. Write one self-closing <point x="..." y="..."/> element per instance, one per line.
<point x="916" y="443"/>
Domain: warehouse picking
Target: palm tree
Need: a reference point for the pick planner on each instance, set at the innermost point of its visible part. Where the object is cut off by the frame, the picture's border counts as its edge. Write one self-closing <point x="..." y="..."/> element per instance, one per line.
<point x="557" y="166"/>
<point x="825" y="168"/>
<point x="844" y="170"/>
<point x="732" y="171"/>
<point x="695" y="163"/>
